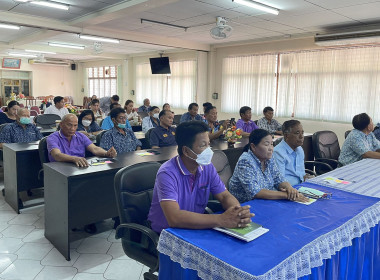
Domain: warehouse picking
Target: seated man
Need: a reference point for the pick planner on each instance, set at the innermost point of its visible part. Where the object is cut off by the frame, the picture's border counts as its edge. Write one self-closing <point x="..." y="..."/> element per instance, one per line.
<point x="360" y="143"/>
<point x="69" y="146"/>
<point x="105" y="103"/>
<point x="184" y="183"/>
<point x="21" y="131"/>
<point x="211" y="119"/>
<point x="152" y="120"/>
<point x="268" y="123"/>
<point x="145" y="108"/>
<point x="289" y="155"/>
<point x="119" y="137"/>
<point x="58" y="108"/>
<point x="164" y="134"/>
<point x="192" y="114"/>
<point x="108" y="123"/>
<point x="245" y="123"/>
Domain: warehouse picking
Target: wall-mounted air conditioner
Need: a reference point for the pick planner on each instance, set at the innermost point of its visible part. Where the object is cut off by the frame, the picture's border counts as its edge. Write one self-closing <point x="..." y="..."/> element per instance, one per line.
<point x="348" y="38"/>
<point x="50" y="62"/>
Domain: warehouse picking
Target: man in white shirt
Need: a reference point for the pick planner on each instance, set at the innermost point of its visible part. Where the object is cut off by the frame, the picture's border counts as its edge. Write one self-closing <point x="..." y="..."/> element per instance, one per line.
<point x="58" y="108"/>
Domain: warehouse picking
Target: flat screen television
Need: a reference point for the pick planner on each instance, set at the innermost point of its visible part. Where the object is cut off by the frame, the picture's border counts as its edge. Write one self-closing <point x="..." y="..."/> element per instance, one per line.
<point x="160" y="65"/>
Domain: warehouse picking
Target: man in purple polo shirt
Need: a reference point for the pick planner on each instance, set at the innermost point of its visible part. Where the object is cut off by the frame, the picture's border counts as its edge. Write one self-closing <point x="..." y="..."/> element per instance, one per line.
<point x="70" y="146"/>
<point x="184" y="183"/>
<point x="245" y="123"/>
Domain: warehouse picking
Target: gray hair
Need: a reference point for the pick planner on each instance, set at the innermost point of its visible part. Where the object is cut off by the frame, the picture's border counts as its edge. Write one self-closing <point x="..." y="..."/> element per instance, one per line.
<point x="288" y="125"/>
<point x="21" y="110"/>
<point x="68" y="116"/>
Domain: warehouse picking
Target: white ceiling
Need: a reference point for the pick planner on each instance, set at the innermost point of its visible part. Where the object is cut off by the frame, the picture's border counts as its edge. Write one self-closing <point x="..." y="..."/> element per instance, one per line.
<point x="122" y="20"/>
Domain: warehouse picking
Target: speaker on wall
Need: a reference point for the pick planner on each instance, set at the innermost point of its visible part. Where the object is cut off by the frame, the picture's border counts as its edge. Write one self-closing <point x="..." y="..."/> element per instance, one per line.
<point x="73" y="66"/>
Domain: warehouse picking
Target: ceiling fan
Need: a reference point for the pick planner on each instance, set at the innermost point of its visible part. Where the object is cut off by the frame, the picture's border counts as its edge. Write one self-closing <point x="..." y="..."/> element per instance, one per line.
<point x="221" y="30"/>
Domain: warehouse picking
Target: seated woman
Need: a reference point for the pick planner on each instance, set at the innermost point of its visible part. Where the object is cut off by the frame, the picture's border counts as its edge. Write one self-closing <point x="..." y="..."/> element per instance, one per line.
<point x="87" y="124"/>
<point x="94" y="106"/>
<point x="131" y="112"/>
<point x="256" y="175"/>
<point x="152" y="120"/>
<point x="215" y="128"/>
<point x="119" y="137"/>
<point x="10" y="115"/>
<point x="166" y="106"/>
<point x="361" y="142"/>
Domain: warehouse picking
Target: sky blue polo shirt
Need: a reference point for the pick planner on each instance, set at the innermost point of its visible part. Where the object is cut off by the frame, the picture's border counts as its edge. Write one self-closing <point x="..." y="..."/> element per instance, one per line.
<point x="162" y="137"/>
<point x="191" y="192"/>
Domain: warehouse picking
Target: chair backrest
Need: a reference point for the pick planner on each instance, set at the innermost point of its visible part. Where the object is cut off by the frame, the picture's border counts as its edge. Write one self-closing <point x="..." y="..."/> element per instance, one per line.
<point x="142" y="114"/>
<point x="346" y="133"/>
<point x="35" y="108"/>
<point x="277" y="141"/>
<point x="43" y="151"/>
<point x="147" y="137"/>
<point x="99" y="137"/>
<point x="177" y="119"/>
<point x="47" y="120"/>
<point x="326" y="145"/>
<point x="33" y="113"/>
<point x="222" y="166"/>
<point x="133" y="187"/>
<point x="21" y="105"/>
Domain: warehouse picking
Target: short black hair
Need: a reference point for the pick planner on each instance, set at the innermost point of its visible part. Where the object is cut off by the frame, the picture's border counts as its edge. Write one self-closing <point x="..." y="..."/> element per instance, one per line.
<point x="191" y="105"/>
<point x="57" y="99"/>
<point x="255" y="137"/>
<point x="85" y="113"/>
<point x="127" y="102"/>
<point x="115" y="112"/>
<point x="12" y="103"/>
<point x="115" y="97"/>
<point x="113" y="105"/>
<point x="153" y="108"/>
<point x="361" y="121"/>
<point x="288" y="125"/>
<point x="244" y="109"/>
<point x="268" y="108"/>
<point x="94" y="101"/>
<point x="209" y="108"/>
<point x="207" y="104"/>
<point x="163" y="112"/>
<point x="186" y="132"/>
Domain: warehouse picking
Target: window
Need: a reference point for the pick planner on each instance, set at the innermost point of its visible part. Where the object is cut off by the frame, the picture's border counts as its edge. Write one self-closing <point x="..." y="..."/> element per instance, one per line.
<point x="102" y="81"/>
<point x="178" y="89"/>
<point x="249" y="81"/>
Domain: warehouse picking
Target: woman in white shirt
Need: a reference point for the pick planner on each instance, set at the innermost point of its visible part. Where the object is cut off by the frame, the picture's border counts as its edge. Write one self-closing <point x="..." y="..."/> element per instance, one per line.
<point x="131" y="112"/>
<point x="94" y="106"/>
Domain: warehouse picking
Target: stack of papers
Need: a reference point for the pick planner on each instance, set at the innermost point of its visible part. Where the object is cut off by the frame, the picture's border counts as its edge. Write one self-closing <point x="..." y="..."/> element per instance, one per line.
<point x="247" y="234"/>
<point x="335" y="181"/>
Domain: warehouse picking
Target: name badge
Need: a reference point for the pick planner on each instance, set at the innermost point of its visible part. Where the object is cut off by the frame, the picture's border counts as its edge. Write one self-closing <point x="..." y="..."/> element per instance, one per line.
<point x="165" y="135"/>
<point x="173" y="132"/>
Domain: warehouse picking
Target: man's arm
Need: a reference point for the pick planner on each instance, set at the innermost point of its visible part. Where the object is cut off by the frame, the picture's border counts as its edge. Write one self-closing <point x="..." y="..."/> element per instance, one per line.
<point x="227" y="199"/>
<point x="371" y="154"/>
<point x="98" y="151"/>
<point x="59" y="156"/>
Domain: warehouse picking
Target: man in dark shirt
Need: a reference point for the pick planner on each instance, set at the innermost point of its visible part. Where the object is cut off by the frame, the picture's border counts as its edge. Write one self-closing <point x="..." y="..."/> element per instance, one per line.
<point x="145" y="108"/>
<point x="21" y="131"/>
<point x="164" y="134"/>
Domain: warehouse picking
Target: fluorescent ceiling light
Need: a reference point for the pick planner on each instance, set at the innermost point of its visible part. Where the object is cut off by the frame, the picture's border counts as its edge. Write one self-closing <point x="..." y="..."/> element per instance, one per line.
<point x="21" y="54"/>
<point x="164" y="23"/>
<point x="258" y="6"/>
<point x="51" y="4"/>
<point x="101" y="39"/>
<point x="66" y="46"/>
<point x="9" y="26"/>
<point x="24" y="1"/>
<point x="33" y="51"/>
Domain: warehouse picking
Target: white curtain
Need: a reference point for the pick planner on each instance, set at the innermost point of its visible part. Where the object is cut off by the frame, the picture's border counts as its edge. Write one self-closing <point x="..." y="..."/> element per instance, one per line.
<point x="248" y="81"/>
<point x="177" y="89"/>
<point x="331" y="85"/>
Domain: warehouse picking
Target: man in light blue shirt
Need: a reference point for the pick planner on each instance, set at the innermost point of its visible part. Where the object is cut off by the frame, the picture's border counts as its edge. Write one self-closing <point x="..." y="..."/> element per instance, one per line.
<point x="107" y="123"/>
<point x="289" y="155"/>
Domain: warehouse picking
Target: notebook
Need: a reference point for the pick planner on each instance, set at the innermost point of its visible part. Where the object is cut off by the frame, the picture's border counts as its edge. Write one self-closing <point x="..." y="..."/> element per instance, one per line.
<point x="247" y="234"/>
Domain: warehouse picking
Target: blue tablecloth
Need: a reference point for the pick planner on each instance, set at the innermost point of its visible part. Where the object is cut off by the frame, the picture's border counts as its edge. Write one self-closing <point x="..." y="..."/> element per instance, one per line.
<point x="300" y="238"/>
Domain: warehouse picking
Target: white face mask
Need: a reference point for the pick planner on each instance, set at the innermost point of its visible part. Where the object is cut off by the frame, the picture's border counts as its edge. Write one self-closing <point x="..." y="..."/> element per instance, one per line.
<point x="205" y="157"/>
<point x="156" y="115"/>
<point x="86" y="123"/>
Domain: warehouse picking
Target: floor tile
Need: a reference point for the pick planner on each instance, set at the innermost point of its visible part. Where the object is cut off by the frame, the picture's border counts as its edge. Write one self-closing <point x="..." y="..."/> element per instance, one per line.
<point x="103" y="234"/>
<point x="17" y="231"/>
<point x="89" y="276"/>
<point x="6" y="260"/>
<point x="22" y="270"/>
<point x="55" y="258"/>
<point x="117" y="252"/>
<point x="34" y="210"/>
<point x="40" y="223"/>
<point x="36" y="236"/>
<point x="52" y="272"/>
<point x="94" y="246"/>
<point x="10" y="245"/>
<point x="118" y="269"/>
<point x="24" y="219"/>
<point x="111" y="237"/>
<point x="3" y="226"/>
<point x="6" y="216"/>
<point x="75" y="244"/>
<point x="5" y="207"/>
<point x="92" y="263"/>
<point x="33" y="251"/>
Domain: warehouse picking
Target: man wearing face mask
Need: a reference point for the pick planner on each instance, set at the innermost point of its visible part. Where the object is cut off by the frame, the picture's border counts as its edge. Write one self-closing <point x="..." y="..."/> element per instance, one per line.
<point x="152" y="120"/>
<point x="108" y="123"/>
<point x="184" y="183"/>
<point x="21" y="131"/>
<point x="119" y="137"/>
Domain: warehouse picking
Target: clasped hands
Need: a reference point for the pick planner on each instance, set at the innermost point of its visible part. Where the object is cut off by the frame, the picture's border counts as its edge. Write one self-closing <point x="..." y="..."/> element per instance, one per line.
<point x="293" y="194"/>
<point x="82" y="162"/>
<point x="236" y="216"/>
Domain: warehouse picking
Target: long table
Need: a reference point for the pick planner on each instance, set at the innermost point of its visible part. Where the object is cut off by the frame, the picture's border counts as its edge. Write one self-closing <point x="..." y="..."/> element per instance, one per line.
<point x="329" y="239"/>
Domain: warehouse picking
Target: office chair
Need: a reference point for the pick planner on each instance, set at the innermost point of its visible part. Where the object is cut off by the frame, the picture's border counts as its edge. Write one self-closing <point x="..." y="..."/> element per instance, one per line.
<point x="46" y="120"/>
<point x="35" y="108"/>
<point x="44" y="157"/>
<point x="99" y="137"/>
<point x="147" y="139"/>
<point x="346" y="133"/>
<point x="177" y="119"/>
<point x="326" y="149"/>
<point x="277" y="141"/>
<point x="134" y="191"/>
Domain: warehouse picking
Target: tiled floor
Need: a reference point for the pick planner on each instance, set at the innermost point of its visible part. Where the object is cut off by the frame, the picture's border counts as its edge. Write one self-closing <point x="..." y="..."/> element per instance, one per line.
<point x="26" y="254"/>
